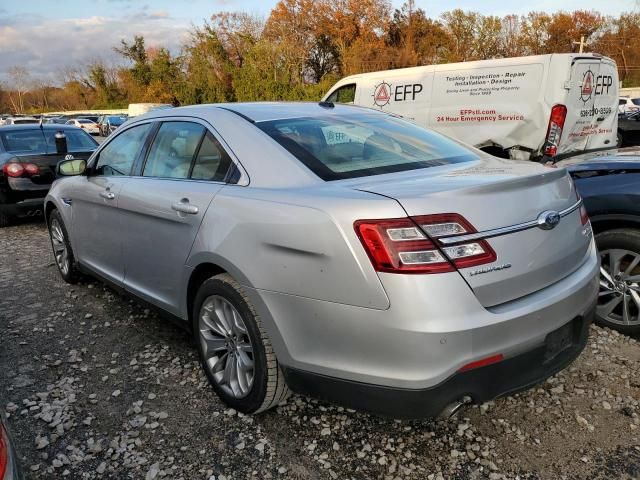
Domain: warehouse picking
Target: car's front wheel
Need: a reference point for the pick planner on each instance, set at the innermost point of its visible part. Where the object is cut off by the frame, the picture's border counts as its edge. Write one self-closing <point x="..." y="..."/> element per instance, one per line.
<point x="62" y="252"/>
<point x="234" y="348"/>
<point x="619" y="297"/>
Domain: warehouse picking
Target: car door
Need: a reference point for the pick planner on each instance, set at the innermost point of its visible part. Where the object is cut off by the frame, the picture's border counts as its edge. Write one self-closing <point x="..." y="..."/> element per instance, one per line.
<point x="96" y="223"/>
<point x="164" y="206"/>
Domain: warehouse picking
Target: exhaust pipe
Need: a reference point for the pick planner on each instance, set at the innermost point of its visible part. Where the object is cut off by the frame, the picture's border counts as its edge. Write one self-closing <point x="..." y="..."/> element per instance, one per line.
<point x="454" y="407"/>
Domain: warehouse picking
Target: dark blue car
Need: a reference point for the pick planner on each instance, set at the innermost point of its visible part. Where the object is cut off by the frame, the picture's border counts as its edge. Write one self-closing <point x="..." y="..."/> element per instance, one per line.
<point x="609" y="183"/>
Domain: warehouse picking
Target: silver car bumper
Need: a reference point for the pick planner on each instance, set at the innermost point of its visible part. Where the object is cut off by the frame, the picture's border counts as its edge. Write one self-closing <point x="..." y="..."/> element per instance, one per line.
<point x="434" y="326"/>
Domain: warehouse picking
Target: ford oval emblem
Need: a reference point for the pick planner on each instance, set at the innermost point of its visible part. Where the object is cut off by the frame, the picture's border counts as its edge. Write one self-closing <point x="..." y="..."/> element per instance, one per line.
<point x="548" y="220"/>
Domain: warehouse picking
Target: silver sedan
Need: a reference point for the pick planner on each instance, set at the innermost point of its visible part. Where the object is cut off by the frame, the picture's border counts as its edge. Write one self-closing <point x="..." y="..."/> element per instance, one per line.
<point x="335" y="251"/>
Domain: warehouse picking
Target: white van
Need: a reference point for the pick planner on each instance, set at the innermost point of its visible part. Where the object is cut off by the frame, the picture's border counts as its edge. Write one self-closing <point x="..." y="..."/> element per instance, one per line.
<point x="521" y="108"/>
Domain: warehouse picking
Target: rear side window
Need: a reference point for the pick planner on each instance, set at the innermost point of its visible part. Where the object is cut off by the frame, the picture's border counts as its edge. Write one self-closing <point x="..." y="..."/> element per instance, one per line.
<point x="344" y="94"/>
<point x="212" y="162"/>
<point x="622" y="102"/>
<point x="173" y="150"/>
<point x="117" y="157"/>
<point x="360" y="145"/>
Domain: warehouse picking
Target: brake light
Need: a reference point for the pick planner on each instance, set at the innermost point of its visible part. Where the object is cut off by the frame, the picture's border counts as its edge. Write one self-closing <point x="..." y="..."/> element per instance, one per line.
<point x="410" y="245"/>
<point x="4" y="451"/>
<point x="554" y="130"/>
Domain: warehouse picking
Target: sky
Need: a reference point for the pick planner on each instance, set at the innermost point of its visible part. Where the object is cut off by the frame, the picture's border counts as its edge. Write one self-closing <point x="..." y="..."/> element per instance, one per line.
<point x="45" y="36"/>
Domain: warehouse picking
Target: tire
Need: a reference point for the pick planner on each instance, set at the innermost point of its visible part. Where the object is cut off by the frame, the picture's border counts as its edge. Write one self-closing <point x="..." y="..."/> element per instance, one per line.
<point x="62" y="252"/>
<point x="222" y="348"/>
<point x="5" y="220"/>
<point x="619" y="297"/>
<point x="619" y="139"/>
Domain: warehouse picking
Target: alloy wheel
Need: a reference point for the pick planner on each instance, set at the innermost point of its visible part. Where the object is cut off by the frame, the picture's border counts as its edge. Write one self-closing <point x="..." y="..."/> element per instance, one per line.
<point x="226" y="346"/>
<point x="60" y="250"/>
<point x="619" y="297"/>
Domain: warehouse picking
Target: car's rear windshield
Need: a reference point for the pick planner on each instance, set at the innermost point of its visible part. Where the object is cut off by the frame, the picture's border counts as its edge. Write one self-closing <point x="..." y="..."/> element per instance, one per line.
<point x="636" y="101"/>
<point x="84" y="120"/>
<point x="117" y="120"/>
<point x="36" y="141"/>
<point x="360" y="145"/>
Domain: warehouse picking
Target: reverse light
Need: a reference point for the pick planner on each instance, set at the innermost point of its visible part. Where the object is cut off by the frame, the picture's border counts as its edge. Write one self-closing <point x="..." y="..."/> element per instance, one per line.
<point x="554" y="130"/>
<point x="410" y="245"/>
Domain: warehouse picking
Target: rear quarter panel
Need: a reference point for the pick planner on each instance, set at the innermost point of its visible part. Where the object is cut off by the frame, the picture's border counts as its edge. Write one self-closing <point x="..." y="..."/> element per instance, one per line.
<point x="295" y="242"/>
<point x="611" y="196"/>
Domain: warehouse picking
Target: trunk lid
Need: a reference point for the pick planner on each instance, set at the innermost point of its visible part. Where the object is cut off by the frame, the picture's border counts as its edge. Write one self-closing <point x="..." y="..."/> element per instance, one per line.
<point x="492" y="194"/>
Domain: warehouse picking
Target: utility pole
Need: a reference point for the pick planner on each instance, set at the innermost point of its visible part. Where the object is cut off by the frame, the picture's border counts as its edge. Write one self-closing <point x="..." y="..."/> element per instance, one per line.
<point x="581" y="43"/>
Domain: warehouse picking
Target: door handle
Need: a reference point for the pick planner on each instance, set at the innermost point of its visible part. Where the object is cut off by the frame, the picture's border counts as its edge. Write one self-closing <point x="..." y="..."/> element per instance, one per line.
<point x="108" y="195"/>
<point x="185" y="207"/>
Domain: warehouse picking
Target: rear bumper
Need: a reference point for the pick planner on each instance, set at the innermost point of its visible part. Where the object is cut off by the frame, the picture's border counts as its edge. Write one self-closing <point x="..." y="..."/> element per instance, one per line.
<point x="23" y="207"/>
<point x="482" y="384"/>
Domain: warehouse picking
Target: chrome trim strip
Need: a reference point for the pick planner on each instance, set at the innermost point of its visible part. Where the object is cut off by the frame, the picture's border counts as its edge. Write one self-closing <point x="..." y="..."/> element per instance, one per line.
<point x="496" y="232"/>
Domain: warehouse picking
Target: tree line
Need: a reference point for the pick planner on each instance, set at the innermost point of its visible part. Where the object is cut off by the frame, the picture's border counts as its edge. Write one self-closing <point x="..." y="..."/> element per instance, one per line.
<point x="304" y="46"/>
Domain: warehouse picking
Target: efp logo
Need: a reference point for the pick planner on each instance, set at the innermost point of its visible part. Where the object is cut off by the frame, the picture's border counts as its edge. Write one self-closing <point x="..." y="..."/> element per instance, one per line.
<point x="382" y="94"/>
<point x="587" y="86"/>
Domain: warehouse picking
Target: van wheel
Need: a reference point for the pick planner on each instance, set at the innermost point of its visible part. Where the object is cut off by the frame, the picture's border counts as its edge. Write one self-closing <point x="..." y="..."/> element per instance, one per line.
<point x="619" y="297"/>
<point x="619" y="140"/>
<point x="62" y="252"/>
<point x="235" y="351"/>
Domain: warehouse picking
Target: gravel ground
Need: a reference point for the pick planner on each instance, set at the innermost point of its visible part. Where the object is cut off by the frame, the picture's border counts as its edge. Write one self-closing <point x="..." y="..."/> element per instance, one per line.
<point x="96" y="386"/>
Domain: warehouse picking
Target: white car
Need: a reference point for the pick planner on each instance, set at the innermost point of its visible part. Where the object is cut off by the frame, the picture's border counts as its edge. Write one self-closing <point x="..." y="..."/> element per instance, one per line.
<point x="628" y="105"/>
<point x="86" y="124"/>
<point x="19" y="120"/>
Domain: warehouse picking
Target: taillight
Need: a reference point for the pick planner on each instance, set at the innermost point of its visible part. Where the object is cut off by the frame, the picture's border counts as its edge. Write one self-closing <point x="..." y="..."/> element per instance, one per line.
<point x="554" y="130"/>
<point x="14" y="169"/>
<point x="4" y="451"/>
<point x="31" y="169"/>
<point x="410" y="245"/>
<point x="584" y="216"/>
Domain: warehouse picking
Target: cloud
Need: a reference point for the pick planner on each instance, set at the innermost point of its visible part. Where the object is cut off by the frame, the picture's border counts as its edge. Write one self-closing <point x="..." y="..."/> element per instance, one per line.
<point x="45" y="46"/>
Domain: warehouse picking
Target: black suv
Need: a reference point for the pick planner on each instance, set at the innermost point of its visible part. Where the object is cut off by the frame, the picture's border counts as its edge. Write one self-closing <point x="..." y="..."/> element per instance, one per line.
<point x="28" y="158"/>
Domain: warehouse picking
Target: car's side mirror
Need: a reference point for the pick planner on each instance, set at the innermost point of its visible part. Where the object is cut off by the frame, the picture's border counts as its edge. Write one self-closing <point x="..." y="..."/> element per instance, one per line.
<point x="70" y="168"/>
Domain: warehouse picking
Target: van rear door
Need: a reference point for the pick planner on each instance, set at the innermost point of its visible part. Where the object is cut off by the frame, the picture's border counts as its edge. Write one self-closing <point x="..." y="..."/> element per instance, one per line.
<point x="591" y="106"/>
<point x="605" y="107"/>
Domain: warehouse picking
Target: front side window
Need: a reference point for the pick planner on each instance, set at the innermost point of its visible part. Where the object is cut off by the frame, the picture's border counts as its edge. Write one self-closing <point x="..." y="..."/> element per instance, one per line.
<point x="173" y="150"/>
<point x="117" y="157"/>
<point x="344" y="94"/>
<point x="359" y="145"/>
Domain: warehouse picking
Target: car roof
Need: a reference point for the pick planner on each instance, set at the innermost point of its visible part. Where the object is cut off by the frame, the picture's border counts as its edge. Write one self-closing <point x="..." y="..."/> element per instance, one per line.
<point x="264" y="111"/>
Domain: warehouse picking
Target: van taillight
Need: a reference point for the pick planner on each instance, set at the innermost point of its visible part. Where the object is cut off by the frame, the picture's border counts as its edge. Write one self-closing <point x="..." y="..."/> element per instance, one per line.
<point x="554" y="130"/>
<point x="410" y="245"/>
